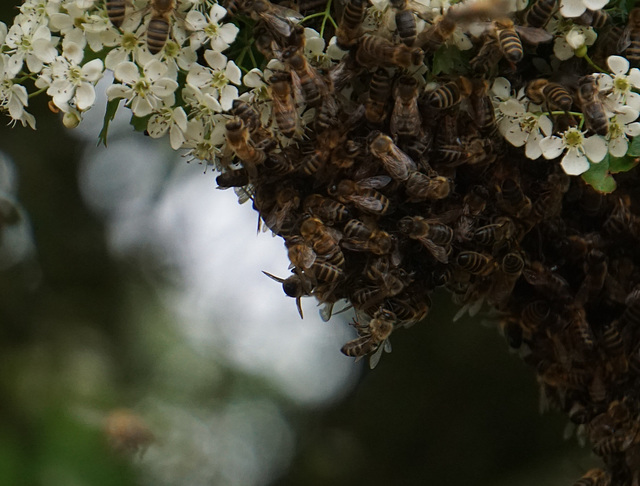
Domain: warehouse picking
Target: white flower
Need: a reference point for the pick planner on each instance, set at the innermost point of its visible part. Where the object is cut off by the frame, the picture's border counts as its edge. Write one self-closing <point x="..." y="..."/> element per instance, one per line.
<point x="202" y="145"/>
<point x="129" y="48"/>
<point x="217" y="77"/>
<point x="146" y="92"/>
<point x="206" y="29"/>
<point x="619" y="88"/>
<point x="623" y="124"/>
<point x="32" y="43"/>
<point x="203" y="105"/>
<point x="13" y="97"/>
<point x="576" y="37"/>
<point x="580" y="150"/>
<point x="173" y="120"/>
<point x="254" y="79"/>
<point x="72" y="82"/>
<point x="575" y="8"/>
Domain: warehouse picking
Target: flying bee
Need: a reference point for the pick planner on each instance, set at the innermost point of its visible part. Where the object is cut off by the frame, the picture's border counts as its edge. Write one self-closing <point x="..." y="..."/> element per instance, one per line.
<point x="372" y="336"/>
<point x="326" y="209"/>
<point x="450" y="94"/>
<point x="540" y="13"/>
<point x="324" y="242"/>
<point x="363" y="194"/>
<point x="160" y="24"/>
<point x="350" y="25"/>
<point x="278" y="19"/>
<point x="509" y="37"/>
<point x="296" y="286"/>
<point x="379" y="93"/>
<point x="421" y="187"/>
<point x="360" y="237"/>
<point x="595" y="115"/>
<point x="284" y="108"/>
<point x="405" y="117"/>
<point x="116" y="11"/>
<point x="629" y="42"/>
<point x="238" y="140"/>
<point x="313" y="86"/>
<point x="556" y="96"/>
<point x="434" y="236"/>
<point x="397" y="164"/>
<point x="512" y="200"/>
<point x="476" y="263"/>
<point x="301" y="255"/>
<point x="374" y="51"/>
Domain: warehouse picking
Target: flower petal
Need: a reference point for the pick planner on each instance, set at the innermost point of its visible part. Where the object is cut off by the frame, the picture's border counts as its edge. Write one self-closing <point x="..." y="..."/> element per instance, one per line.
<point x="574" y="163"/>
<point x="551" y="147"/>
<point x="618" y="65"/>
<point x="572" y="8"/>
<point x="618" y="146"/>
<point x="595" y="148"/>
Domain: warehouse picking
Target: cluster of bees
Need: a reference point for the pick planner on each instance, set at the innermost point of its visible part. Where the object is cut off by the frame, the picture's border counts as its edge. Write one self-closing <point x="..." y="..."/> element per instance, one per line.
<point x="395" y="190"/>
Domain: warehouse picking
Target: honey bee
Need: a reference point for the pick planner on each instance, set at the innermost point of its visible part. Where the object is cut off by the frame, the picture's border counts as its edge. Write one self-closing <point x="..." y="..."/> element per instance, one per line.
<point x="431" y="38"/>
<point x="630" y="40"/>
<point x="487" y="58"/>
<point x="509" y="35"/>
<point x="593" y="18"/>
<point x="540" y="13"/>
<point x="596" y="271"/>
<point x="547" y="281"/>
<point x="233" y="178"/>
<point x="476" y="263"/>
<point x="363" y="194"/>
<point x="556" y="96"/>
<point x="372" y="336"/>
<point x="326" y="272"/>
<point x="350" y="25"/>
<point x="374" y="51"/>
<point x="614" y="346"/>
<point x="405" y="117"/>
<point x="450" y="94"/>
<point x="397" y="164"/>
<point x="238" y="140"/>
<point x="127" y="433"/>
<point x="512" y="200"/>
<point x="481" y="107"/>
<point x="536" y="314"/>
<point x="324" y="242"/>
<point x="160" y="23"/>
<point x="595" y="116"/>
<point x="505" y="278"/>
<point x="360" y="237"/>
<point x="314" y="88"/>
<point x="116" y="11"/>
<point x="296" y="286"/>
<point x="579" y="327"/>
<point x="410" y="307"/>
<point x="284" y="108"/>
<point x="406" y="20"/>
<point x="434" y="236"/>
<point x="389" y="281"/>
<point x="278" y="19"/>
<point x="344" y="155"/>
<point x="301" y="255"/>
<point x="287" y="201"/>
<point x="379" y="93"/>
<point x="326" y="209"/>
<point x="494" y="235"/>
<point x="421" y="187"/>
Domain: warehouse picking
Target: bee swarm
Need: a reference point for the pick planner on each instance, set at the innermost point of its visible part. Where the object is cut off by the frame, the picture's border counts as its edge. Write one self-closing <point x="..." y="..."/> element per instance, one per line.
<point x="397" y="190"/>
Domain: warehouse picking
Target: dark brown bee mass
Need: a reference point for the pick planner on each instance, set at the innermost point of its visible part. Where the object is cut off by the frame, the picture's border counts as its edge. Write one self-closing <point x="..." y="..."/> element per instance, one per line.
<point x="398" y="191"/>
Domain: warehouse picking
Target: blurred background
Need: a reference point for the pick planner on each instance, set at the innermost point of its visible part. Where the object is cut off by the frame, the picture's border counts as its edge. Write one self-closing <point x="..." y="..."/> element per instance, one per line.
<point x="142" y="345"/>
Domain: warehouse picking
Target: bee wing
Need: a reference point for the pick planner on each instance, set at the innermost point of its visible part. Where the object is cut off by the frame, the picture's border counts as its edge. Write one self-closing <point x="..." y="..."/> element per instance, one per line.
<point x="396" y="167"/>
<point x="308" y="257"/>
<point x="296" y="86"/>
<point x="438" y="252"/>
<point x="367" y="203"/>
<point x="325" y="311"/>
<point x="375" y="357"/>
<point x="375" y="182"/>
<point x="280" y="20"/>
<point x="353" y="244"/>
<point x="625" y="39"/>
<point x="533" y="35"/>
<point x="244" y="194"/>
<point x="422" y="11"/>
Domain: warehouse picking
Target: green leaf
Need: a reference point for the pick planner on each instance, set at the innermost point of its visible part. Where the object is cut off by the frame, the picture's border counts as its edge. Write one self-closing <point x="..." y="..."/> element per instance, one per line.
<point x="109" y="115"/>
<point x="599" y="178"/>
<point x="139" y="124"/>
<point x="634" y="147"/>
<point x="622" y="164"/>
<point x="445" y="60"/>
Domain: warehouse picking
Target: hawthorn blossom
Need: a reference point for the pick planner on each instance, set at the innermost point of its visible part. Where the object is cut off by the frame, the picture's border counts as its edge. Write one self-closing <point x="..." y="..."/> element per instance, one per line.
<point x="575" y="8"/>
<point x="580" y="150"/>
<point x="621" y="126"/>
<point x="217" y="77"/>
<point x="145" y="92"/>
<point x="202" y="145"/>
<point x="30" y="42"/>
<point x="173" y="120"/>
<point x="619" y="87"/>
<point x="74" y="83"/>
<point x="577" y="37"/>
<point x="13" y="97"/>
<point x="207" y="29"/>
